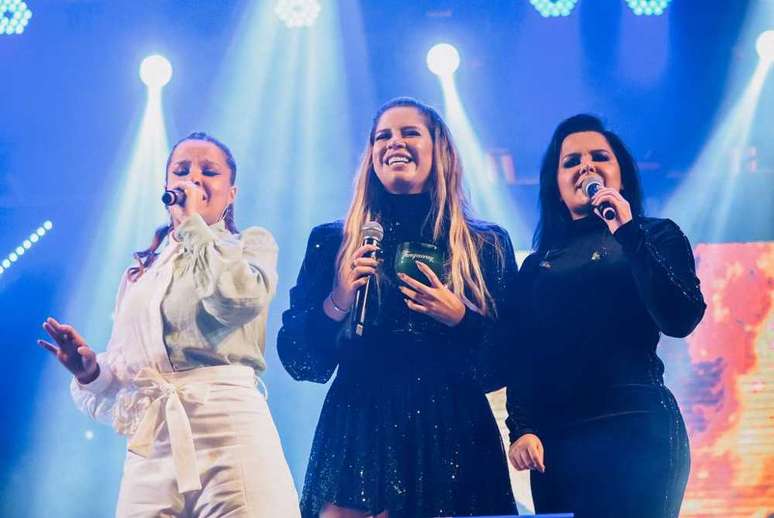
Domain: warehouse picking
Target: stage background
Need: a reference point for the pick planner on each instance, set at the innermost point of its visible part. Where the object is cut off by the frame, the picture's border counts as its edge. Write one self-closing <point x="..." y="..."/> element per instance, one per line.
<point x="82" y="144"/>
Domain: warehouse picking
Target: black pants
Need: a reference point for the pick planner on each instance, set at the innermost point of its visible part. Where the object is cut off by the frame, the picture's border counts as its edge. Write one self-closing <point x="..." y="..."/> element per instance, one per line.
<point x="633" y="465"/>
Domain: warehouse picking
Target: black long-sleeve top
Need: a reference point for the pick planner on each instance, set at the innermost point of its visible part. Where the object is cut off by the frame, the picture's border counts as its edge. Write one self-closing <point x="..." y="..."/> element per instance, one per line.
<point x="311" y="345"/>
<point x="590" y="313"/>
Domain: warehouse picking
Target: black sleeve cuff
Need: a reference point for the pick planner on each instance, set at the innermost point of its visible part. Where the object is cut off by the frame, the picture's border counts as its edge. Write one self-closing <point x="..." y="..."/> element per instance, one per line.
<point x="321" y="327"/>
<point x="629" y="235"/>
<point x="514" y="436"/>
<point x="472" y="323"/>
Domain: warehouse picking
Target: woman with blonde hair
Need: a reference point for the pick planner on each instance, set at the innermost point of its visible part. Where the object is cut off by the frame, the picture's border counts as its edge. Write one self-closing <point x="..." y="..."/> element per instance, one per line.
<point x="406" y="429"/>
<point x="179" y="374"/>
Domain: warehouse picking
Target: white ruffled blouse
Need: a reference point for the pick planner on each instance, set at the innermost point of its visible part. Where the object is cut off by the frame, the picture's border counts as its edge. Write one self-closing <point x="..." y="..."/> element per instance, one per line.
<point x="203" y="302"/>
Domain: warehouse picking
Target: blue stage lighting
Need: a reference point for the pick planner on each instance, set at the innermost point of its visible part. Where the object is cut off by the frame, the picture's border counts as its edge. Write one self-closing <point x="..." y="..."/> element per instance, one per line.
<point x="550" y="8"/>
<point x="27" y="244"/>
<point x="443" y="59"/>
<point x="765" y="45"/>
<point x="155" y="71"/>
<point x="297" y="13"/>
<point x="14" y="16"/>
<point x="648" y="7"/>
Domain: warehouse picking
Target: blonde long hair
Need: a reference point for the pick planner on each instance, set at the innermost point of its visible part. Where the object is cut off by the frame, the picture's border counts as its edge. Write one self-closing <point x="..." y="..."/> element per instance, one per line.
<point x="450" y="210"/>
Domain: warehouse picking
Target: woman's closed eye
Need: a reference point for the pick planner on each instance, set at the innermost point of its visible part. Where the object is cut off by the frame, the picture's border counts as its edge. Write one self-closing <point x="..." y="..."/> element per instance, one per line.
<point x="571" y="161"/>
<point x="205" y="172"/>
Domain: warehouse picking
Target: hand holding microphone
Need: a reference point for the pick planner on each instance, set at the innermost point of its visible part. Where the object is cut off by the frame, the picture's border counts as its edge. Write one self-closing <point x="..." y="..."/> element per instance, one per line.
<point x="183" y="199"/>
<point x="355" y="275"/>
<point x="591" y="185"/>
<point x="607" y="203"/>
<point x="173" y="197"/>
<point x="373" y="233"/>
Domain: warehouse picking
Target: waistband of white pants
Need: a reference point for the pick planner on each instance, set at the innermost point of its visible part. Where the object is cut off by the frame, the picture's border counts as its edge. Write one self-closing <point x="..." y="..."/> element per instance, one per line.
<point x="240" y="375"/>
<point x="170" y="393"/>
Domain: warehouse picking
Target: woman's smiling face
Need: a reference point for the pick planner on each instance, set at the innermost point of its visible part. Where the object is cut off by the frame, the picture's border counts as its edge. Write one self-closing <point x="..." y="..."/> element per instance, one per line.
<point x="402" y="151"/>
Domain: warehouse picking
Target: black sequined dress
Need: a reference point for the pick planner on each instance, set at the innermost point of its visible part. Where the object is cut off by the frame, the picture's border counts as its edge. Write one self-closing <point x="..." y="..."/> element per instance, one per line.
<point x="406" y="426"/>
<point x="587" y="379"/>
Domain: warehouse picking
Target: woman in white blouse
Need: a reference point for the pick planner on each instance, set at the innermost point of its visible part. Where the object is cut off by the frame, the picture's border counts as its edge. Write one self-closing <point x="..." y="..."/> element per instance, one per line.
<point x="179" y="374"/>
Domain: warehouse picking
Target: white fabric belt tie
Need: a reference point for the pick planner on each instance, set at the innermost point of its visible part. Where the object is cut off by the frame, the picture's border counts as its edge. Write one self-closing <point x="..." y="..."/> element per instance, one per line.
<point x="167" y="408"/>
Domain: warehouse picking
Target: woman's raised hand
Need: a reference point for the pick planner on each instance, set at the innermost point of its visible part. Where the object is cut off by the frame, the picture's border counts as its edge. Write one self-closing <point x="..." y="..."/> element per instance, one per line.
<point x="71" y="351"/>
<point x="195" y="200"/>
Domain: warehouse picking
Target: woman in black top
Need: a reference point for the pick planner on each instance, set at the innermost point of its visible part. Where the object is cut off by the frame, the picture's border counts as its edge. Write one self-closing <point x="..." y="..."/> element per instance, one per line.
<point x="587" y="407"/>
<point x="406" y="429"/>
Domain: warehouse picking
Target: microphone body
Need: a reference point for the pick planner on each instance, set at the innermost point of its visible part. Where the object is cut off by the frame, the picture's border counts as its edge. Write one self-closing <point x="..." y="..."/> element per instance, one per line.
<point x="173" y="197"/>
<point x="373" y="233"/>
<point x="591" y="185"/>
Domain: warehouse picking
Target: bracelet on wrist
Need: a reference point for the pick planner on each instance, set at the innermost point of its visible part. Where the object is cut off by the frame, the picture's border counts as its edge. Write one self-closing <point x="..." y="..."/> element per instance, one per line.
<point x="335" y="306"/>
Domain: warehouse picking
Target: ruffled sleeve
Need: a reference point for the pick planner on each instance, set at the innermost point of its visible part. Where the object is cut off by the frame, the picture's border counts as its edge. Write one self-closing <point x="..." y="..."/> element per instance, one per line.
<point x="99" y="398"/>
<point x="235" y="278"/>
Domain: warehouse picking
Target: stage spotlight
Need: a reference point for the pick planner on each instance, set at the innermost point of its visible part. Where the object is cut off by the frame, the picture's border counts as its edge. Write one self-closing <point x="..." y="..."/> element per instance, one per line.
<point x="297" y="13"/>
<point x="551" y="8"/>
<point x="765" y="45"/>
<point x="14" y="16"/>
<point x="648" y="7"/>
<point x="443" y="59"/>
<point x="155" y="71"/>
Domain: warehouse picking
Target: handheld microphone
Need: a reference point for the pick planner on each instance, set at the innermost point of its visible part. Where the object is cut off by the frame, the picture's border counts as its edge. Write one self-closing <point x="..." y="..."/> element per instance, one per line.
<point x="590" y="185"/>
<point x="373" y="233"/>
<point x="173" y="197"/>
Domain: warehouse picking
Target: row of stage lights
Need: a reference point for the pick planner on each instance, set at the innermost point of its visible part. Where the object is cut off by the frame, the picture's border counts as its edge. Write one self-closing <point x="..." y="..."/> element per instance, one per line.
<point x="553" y="8"/>
<point x="303" y="13"/>
<point x="15" y="14"/>
<point x="442" y="59"/>
<point x="25" y="245"/>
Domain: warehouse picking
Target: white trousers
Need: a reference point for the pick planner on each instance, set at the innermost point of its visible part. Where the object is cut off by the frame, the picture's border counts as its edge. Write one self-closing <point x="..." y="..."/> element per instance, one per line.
<point x="206" y="447"/>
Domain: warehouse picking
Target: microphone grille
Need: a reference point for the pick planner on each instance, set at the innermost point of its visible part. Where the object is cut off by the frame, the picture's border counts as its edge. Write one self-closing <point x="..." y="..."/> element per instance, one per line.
<point x="592" y="180"/>
<point x="373" y="230"/>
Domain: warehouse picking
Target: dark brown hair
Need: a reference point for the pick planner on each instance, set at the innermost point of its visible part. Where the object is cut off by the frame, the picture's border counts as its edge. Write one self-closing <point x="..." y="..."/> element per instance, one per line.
<point x="554" y="215"/>
<point x="146" y="257"/>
